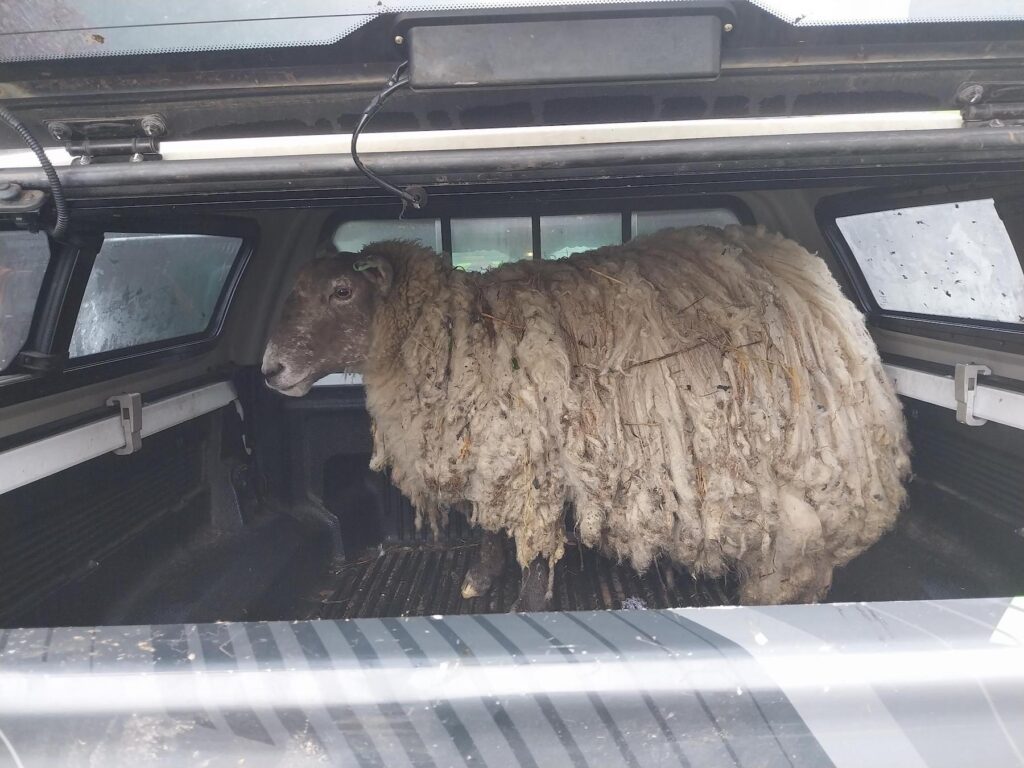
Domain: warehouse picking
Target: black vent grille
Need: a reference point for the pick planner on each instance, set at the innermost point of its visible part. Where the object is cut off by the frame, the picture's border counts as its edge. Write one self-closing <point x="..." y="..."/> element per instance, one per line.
<point x="59" y="528"/>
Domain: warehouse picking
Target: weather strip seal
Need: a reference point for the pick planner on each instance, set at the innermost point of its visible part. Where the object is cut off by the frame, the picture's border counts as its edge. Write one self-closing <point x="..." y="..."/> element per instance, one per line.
<point x="42" y="458"/>
<point x="974" y="403"/>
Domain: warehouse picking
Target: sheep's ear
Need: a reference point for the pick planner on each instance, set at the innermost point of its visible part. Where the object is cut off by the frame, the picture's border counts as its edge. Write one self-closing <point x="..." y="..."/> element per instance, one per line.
<point x="378" y="270"/>
<point x="324" y="249"/>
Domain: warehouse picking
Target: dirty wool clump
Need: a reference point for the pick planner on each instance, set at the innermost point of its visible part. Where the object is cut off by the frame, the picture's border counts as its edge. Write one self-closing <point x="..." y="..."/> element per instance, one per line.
<point x="706" y="396"/>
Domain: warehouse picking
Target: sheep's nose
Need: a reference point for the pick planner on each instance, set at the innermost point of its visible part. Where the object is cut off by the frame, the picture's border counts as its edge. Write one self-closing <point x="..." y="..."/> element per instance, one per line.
<point x="273" y="370"/>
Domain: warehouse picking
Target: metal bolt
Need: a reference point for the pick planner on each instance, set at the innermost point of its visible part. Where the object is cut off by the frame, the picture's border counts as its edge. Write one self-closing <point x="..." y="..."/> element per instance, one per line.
<point x="60" y="131"/>
<point x="970" y="93"/>
<point x="399" y="40"/>
<point x="153" y="125"/>
<point x="727" y="27"/>
<point x="9" y="191"/>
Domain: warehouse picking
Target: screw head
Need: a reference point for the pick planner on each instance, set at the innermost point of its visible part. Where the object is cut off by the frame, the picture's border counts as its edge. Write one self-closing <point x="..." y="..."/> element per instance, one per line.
<point x="9" y="191"/>
<point x="153" y="125"/>
<point x="60" y="131"/>
<point x="727" y="27"/>
<point x="971" y="93"/>
<point x="399" y="40"/>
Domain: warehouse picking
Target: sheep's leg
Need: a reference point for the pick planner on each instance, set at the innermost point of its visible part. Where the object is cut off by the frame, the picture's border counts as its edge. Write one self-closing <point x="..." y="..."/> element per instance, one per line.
<point x="534" y="588"/>
<point x="798" y="568"/>
<point x="805" y="582"/>
<point x="488" y="566"/>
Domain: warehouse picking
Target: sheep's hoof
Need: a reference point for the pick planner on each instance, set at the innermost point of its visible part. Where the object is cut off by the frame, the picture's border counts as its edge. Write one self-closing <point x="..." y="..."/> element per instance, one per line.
<point x="533" y="594"/>
<point x="487" y="568"/>
<point x="477" y="583"/>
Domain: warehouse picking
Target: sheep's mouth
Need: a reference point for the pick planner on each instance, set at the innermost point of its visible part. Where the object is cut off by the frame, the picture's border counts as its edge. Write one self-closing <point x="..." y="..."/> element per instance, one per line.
<point x="297" y="389"/>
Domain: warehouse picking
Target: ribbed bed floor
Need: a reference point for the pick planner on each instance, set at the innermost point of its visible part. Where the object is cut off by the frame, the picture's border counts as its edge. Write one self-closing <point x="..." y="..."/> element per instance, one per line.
<point x="425" y="579"/>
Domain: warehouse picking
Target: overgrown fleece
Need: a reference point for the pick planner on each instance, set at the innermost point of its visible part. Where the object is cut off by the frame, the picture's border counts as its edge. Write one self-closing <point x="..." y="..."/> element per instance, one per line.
<point x="702" y="395"/>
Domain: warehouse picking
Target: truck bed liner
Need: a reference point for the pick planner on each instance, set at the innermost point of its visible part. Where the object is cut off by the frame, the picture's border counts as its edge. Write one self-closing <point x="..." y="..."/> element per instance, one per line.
<point x="424" y="578"/>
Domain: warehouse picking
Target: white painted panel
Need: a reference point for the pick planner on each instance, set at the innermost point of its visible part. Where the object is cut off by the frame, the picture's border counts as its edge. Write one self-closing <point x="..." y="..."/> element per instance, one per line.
<point x="42" y="458"/>
<point x="1000" y="405"/>
<point x="188" y="405"/>
<point x="28" y="463"/>
<point x="928" y="387"/>
<point x="991" y="403"/>
<point x="532" y="136"/>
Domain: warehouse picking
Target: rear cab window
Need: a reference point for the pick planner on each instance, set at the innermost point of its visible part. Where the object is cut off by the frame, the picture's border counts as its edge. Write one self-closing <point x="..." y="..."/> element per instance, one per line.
<point x="482" y="244"/>
<point x="562" y="236"/>
<point x="649" y="222"/>
<point x="24" y="257"/>
<point x="947" y="260"/>
<point x="352" y="236"/>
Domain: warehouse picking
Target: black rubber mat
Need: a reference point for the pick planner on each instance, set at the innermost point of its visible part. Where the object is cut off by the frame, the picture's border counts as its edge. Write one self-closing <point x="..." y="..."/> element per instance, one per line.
<point x="425" y="578"/>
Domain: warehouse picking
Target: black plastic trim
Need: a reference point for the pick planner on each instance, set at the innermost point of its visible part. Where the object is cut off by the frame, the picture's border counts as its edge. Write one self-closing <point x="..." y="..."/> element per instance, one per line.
<point x="104" y="366"/>
<point x="404" y="22"/>
<point x="64" y="282"/>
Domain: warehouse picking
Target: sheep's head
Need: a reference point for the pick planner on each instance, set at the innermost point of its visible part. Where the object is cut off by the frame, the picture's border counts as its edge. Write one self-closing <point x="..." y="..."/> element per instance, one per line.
<point x="325" y="324"/>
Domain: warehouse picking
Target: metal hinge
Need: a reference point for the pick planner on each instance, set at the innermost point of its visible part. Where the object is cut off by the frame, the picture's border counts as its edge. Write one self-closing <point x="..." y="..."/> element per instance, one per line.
<point x="991" y="104"/>
<point x="965" y="387"/>
<point x="124" y="139"/>
<point x="21" y="206"/>
<point x="130" y="410"/>
<point x="18" y="201"/>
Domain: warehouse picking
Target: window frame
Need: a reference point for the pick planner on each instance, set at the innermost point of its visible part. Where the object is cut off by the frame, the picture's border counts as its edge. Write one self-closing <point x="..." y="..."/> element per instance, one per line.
<point x="63" y="289"/>
<point x="445" y="210"/>
<point x="52" y="292"/>
<point x="991" y="334"/>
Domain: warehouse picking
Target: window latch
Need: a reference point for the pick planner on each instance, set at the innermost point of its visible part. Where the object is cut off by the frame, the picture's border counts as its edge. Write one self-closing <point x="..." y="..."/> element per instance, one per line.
<point x="965" y="387"/>
<point x="130" y="412"/>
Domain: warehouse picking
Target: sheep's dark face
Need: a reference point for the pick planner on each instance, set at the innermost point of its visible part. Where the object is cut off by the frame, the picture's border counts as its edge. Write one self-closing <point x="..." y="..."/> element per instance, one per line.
<point x="325" y="325"/>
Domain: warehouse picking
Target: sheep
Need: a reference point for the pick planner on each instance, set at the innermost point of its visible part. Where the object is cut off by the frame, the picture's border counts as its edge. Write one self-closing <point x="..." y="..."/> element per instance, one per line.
<point x="702" y="397"/>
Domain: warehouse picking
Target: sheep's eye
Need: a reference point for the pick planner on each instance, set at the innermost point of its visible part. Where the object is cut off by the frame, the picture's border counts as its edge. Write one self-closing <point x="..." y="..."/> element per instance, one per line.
<point x="343" y="292"/>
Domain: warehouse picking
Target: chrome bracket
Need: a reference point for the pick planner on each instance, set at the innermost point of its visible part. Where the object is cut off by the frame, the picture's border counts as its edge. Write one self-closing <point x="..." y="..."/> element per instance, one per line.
<point x="130" y="411"/>
<point x="965" y="387"/>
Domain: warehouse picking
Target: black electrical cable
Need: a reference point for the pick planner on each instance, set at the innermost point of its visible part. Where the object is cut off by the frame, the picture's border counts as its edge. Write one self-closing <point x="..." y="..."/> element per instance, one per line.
<point x="413" y="195"/>
<point x="60" y="204"/>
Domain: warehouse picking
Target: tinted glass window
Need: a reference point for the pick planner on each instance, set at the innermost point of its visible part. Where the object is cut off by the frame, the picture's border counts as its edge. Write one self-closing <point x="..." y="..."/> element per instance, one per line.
<point x="23" y="261"/>
<point x="148" y="287"/>
<point x="353" y="235"/>
<point x="951" y="259"/>
<point x="480" y="244"/>
<point x="562" y="236"/>
<point x="648" y="222"/>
